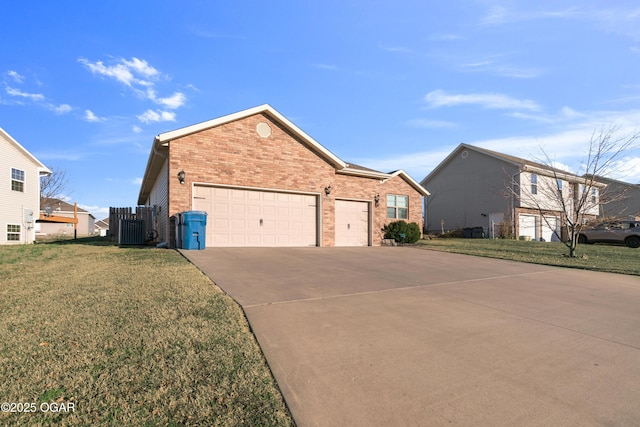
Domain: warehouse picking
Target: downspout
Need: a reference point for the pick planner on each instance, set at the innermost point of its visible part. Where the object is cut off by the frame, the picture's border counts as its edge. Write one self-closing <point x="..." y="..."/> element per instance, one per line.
<point x="522" y="169"/>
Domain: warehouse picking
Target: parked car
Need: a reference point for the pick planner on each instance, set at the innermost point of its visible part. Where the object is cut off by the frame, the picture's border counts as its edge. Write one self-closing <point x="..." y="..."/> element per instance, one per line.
<point x="627" y="232"/>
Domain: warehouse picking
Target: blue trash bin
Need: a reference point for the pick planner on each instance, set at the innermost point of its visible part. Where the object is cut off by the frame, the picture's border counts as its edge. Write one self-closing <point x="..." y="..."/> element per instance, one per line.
<point x="194" y="230"/>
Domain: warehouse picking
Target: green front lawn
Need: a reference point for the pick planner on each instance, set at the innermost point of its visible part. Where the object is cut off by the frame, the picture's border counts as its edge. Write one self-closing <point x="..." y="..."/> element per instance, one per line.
<point x="608" y="258"/>
<point x="125" y="337"/>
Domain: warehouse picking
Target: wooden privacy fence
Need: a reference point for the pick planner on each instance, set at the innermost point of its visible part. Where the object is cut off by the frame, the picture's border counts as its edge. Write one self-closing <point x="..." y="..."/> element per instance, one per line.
<point x="137" y="228"/>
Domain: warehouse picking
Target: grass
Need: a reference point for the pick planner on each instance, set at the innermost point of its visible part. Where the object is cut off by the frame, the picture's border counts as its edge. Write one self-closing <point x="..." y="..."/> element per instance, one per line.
<point x="607" y="258"/>
<point x="127" y="336"/>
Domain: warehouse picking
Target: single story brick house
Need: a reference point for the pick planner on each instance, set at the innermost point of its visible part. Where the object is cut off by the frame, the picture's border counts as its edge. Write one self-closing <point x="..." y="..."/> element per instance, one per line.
<point x="265" y="182"/>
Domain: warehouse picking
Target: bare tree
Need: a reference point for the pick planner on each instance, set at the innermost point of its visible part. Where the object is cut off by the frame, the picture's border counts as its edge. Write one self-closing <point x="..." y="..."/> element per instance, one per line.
<point x="577" y="197"/>
<point x="54" y="185"/>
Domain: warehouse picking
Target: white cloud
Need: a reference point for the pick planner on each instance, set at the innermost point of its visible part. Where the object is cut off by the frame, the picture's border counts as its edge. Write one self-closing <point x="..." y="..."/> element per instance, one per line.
<point x="60" y="155"/>
<point x="130" y="73"/>
<point x="141" y="67"/>
<point x="36" y="98"/>
<point x="446" y="37"/>
<point x="138" y="75"/>
<point x="397" y="49"/>
<point x="496" y="15"/>
<point x="136" y="181"/>
<point x="136" y="129"/>
<point x="15" y="76"/>
<point x="566" y="143"/>
<point x="624" y="20"/>
<point x="99" y="212"/>
<point x="90" y="116"/>
<point x="565" y="114"/>
<point x="151" y="116"/>
<point x="60" y="109"/>
<point x="503" y="69"/>
<point x="174" y="101"/>
<point x="439" y="98"/>
<point x="17" y="92"/>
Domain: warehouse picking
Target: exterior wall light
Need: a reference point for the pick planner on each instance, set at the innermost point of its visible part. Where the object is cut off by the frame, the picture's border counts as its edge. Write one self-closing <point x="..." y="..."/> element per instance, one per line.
<point x="377" y="199"/>
<point x="181" y="175"/>
<point x="327" y="190"/>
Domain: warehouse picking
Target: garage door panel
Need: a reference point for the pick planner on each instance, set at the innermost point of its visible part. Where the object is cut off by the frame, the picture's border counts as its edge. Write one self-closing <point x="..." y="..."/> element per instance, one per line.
<point x="352" y="223"/>
<point x="238" y="217"/>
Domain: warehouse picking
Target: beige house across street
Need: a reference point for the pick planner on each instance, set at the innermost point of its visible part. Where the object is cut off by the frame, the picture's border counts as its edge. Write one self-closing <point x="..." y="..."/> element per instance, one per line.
<point x="264" y="182"/>
<point x="49" y="226"/>
<point x="19" y="192"/>
<point x="504" y="195"/>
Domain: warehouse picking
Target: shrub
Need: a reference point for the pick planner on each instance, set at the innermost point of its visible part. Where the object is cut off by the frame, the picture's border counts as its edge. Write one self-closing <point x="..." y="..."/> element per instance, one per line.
<point x="395" y="229"/>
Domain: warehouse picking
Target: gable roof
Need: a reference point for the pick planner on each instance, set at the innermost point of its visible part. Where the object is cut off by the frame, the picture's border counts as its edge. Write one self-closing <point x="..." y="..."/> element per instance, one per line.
<point x="42" y="169"/>
<point x="58" y="205"/>
<point x="102" y="223"/>
<point x="523" y="164"/>
<point x="156" y="158"/>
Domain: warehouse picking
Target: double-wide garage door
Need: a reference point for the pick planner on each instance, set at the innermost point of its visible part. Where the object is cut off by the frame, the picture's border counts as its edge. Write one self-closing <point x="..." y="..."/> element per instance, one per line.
<point x="238" y="217"/>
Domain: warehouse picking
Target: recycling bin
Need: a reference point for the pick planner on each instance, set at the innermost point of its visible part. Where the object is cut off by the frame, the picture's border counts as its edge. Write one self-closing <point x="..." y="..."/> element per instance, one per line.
<point x="194" y="230"/>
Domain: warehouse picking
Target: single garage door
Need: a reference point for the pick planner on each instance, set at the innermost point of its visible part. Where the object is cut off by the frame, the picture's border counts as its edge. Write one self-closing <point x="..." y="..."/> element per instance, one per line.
<point x="529" y="226"/>
<point x="238" y="217"/>
<point x="550" y="229"/>
<point x="352" y="223"/>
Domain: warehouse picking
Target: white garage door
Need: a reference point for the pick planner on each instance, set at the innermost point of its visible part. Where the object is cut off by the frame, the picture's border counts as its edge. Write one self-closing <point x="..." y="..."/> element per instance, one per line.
<point x="529" y="226"/>
<point x="352" y="223"/>
<point x="238" y="217"/>
<point x="550" y="229"/>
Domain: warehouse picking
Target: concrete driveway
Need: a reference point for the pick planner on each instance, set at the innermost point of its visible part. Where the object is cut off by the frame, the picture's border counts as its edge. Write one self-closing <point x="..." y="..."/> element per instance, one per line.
<point x="398" y="336"/>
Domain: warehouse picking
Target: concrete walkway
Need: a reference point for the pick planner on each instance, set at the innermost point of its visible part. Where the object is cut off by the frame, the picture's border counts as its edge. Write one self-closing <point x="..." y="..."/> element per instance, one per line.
<point x="400" y="336"/>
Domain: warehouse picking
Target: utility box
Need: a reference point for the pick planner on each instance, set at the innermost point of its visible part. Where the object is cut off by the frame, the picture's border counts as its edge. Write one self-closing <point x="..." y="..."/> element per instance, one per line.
<point x="131" y="232"/>
<point x="177" y="220"/>
<point x="194" y="230"/>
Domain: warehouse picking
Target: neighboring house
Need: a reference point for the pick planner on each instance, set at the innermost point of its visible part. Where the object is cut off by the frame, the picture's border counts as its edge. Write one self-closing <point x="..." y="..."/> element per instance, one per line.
<point x="505" y="195"/>
<point x="620" y="199"/>
<point x="19" y="191"/>
<point x="54" y="213"/>
<point x="101" y="227"/>
<point x="264" y="182"/>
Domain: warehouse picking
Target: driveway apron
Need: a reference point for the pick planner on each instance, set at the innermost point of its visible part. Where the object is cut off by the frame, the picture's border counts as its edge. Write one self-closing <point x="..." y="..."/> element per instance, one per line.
<point x="391" y="336"/>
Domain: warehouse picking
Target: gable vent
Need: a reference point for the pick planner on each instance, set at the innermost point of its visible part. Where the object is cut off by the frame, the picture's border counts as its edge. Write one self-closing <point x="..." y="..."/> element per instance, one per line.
<point x="263" y="129"/>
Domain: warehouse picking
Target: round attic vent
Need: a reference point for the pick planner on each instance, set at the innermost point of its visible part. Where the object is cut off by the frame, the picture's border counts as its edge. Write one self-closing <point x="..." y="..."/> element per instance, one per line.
<point x="263" y="129"/>
<point x="465" y="154"/>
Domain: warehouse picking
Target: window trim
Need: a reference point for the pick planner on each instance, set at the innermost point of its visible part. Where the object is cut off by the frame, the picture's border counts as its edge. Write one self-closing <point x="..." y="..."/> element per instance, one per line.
<point x="16" y="181"/>
<point x="18" y="233"/>
<point x="534" y="183"/>
<point x="396" y="208"/>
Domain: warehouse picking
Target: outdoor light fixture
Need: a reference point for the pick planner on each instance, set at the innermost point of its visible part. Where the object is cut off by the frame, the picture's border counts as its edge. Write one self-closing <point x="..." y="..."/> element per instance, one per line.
<point x="377" y="199"/>
<point x="181" y="176"/>
<point x="327" y="190"/>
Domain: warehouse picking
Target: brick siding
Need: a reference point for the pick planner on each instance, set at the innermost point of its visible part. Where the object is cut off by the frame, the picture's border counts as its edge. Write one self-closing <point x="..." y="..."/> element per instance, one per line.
<point x="234" y="154"/>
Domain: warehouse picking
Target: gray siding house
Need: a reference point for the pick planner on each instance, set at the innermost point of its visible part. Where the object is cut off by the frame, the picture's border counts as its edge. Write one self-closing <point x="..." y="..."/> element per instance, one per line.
<point x="475" y="187"/>
<point x="621" y="199"/>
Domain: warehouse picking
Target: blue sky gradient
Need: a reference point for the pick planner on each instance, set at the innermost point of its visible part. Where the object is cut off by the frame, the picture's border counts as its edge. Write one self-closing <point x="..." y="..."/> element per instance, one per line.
<point x="386" y="84"/>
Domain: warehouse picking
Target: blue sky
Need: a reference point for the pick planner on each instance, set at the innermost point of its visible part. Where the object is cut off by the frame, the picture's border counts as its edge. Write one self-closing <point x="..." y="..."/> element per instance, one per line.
<point x="85" y="86"/>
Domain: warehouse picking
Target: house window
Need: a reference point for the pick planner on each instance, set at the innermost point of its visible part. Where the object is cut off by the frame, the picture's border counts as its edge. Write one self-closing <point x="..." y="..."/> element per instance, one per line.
<point x="13" y="232"/>
<point x="17" y="180"/>
<point x="534" y="183"/>
<point x="397" y="206"/>
<point x="594" y="195"/>
<point x="559" y="184"/>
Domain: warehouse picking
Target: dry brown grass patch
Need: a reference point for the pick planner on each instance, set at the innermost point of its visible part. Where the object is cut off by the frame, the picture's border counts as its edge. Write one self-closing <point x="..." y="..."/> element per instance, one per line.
<point x="129" y="337"/>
